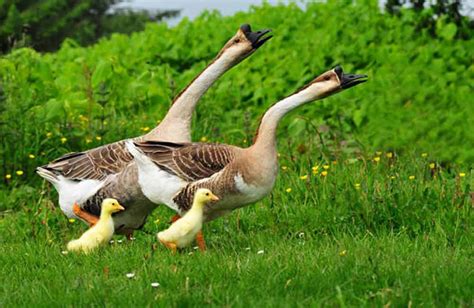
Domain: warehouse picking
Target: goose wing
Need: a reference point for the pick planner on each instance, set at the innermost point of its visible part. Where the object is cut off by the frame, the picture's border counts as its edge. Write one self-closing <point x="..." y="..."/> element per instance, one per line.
<point x="189" y="161"/>
<point x="94" y="164"/>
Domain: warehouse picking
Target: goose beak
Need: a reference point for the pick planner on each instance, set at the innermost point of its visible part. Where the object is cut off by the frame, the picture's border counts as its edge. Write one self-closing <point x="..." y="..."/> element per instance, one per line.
<point x="257" y="38"/>
<point x="349" y="80"/>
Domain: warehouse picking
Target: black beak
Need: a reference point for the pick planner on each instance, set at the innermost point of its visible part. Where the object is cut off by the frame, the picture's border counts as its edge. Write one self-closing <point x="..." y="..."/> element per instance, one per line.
<point x="256" y="38"/>
<point x="349" y="80"/>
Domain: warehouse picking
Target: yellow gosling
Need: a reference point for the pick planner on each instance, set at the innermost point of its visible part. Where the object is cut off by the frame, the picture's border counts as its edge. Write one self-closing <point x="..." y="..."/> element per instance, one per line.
<point x="183" y="231"/>
<point x="101" y="232"/>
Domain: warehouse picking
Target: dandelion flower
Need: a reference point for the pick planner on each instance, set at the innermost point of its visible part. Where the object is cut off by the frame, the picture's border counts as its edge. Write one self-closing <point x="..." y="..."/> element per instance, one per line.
<point x="326" y="167"/>
<point x="389" y="155"/>
<point x="378" y="153"/>
<point x="284" y="168"/>
<point x="432" y="165"/>
<point x="288" y="190"/>
<point x="145" y="129"/>
<point x="19" y="172"/>
<point x="411" y="177"/>
<point x="324" y="173"/>
<point x="343" y="253"/>
<point x="155" y="284"/>
<point x="88" y="140"/>
<point x="71" y="220"/>
<point x="357" y="186"/>
<point x="393" y="177"/>
<point x="304" y="177"/>
<point x="315" y="168"/>
<point x="98" y="138"/>
<point x="424" y="154"/>
<point x="462" y="174"/>
<point x="130" y="275"/>
<point x="63" y="139"/>
<point x="31" y="156"/>
<point x="8" y="176"/>
<point x="203" y="139"/>
<point x="376" y="159"/>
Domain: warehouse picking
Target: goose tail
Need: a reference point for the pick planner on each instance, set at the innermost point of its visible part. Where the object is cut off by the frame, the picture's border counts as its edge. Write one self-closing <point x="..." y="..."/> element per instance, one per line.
<point x="47" y="175"/>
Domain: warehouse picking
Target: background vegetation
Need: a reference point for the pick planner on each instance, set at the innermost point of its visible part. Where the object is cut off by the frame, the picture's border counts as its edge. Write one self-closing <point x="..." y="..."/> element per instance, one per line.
<point x="374" y="202"/>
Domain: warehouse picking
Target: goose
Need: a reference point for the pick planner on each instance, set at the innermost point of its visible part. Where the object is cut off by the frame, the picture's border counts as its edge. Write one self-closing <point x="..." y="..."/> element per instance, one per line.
<point x="83" y="180"/>
<point x="101" y="232"/>
<point x="170" y="173"/>
<point x="183" y="231"/>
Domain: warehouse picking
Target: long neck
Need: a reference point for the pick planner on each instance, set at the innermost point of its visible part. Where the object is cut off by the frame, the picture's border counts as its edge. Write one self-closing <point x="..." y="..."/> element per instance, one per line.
<point x="176" y="126"/>
<point x="266" y="134"/>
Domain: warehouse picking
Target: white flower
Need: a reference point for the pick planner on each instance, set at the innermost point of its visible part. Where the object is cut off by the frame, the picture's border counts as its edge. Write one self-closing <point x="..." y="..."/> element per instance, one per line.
<point x="130" y="275"/>
<point x="111" y="241"/>
<point x="119" y="241"/>
<point x="260" y="252"/>
<point x="155" y="284"/>
<point x="64" y="252"/>
<point x="195" y="248"/>
<point x="248" y="248"/>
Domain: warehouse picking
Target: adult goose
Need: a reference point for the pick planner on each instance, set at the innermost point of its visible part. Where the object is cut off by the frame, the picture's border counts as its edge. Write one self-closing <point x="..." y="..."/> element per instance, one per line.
<point x="170" y="173"/>
<point x="83" y="180"/>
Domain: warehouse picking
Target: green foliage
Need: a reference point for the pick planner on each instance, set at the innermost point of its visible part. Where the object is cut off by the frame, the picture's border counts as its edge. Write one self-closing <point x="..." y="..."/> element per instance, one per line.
<point x="44" y="25"/>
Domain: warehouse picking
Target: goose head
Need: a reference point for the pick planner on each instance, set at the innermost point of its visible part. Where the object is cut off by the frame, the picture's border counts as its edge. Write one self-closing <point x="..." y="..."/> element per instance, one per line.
<point x="244" y="43"/>
<point x="331" y="82"/>
<point x="110" y="206"/>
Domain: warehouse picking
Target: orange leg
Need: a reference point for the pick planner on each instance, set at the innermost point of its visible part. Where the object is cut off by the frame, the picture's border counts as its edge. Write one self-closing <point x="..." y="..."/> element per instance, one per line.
<point x="200" y="241"/>
<point x="175" y="218"/>
<point x="87" y="217"/>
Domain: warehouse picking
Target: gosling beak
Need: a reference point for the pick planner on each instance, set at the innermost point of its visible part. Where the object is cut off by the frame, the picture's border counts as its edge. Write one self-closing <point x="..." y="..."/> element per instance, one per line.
<point x="214" y="198"/>
<point x="256" y="38"/>
<point x="120" y="208"/>
<point x="349" y="80"/>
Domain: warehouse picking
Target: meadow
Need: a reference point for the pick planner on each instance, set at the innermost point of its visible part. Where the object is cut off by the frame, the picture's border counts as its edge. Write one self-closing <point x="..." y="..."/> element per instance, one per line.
<point x="374" y="201"/>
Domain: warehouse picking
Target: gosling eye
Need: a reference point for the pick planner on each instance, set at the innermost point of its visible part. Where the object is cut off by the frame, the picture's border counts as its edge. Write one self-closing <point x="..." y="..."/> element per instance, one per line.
<point x="207" y="194"/>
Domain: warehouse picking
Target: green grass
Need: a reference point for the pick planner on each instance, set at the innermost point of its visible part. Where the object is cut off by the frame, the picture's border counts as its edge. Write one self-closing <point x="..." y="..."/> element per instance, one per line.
<point x="388" y="240"/>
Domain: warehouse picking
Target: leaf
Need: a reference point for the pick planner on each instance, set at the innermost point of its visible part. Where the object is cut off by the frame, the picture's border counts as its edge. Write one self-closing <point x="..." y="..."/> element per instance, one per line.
<point x="448" y="31"/>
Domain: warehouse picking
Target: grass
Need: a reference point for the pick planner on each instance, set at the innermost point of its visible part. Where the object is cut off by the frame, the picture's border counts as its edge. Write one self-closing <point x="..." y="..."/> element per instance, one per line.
<point x="366" y="234"/>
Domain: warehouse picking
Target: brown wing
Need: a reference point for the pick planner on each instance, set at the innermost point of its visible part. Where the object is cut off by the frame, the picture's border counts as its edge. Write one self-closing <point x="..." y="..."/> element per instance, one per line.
<point x="189" y="161"/>
<point x="94" y="164"/>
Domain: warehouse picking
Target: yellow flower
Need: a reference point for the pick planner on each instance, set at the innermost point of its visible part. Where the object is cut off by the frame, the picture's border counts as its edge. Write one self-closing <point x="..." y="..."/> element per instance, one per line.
<point x="315" y="168"/>
<point x="315" y="172"/>
<point x="462" y="174"/>
<point x="424" y="154"/>
<point x="278" y="154"/>
<point x="98" y="138"/>
<point x="19" y="172"/>
<point x="71" y="220"/>
<point x="31" y="156"/>
<point x="389" y="155"/>
<point x="393" y="177"/>
<point x="158" y="121"/>
<point x="8" y="176"/>
<point x="343" y="253"/>
<point x="288" y="190"/>
<point x="334" y="162"/>
<point x="157" y="221"/>
<point x="244" y="141"/>
<point x="145" y="129"/>
<point x="378" y="153"/>
<point x="284" y="168"/>
<point x="49" y="134"/>
<point x="203" y="139"/>
<point x="376" y="159"/>
<point x="432" y="165"/>
<point x="411" y="177"/>
<point x="304" y="177"/>
<point x="63" y="139"/>
<point x="326" y="167"/>
<point x="324" y="173"/>
<point x="357" y="186"/>
<point x="88" y="140"/>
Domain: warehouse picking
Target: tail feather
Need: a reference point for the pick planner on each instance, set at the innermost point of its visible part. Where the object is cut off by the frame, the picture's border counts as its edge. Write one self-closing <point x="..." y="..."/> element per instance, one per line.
<point x="47" y="175"/>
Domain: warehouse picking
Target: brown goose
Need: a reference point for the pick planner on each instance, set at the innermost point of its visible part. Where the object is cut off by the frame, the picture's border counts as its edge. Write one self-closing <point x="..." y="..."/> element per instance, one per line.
<point x="87" y="178"/>
<point x="170" y="173"/>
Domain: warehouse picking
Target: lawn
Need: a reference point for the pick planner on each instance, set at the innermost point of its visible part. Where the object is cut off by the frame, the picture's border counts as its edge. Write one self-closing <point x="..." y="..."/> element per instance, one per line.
<point x="356" y="231"/>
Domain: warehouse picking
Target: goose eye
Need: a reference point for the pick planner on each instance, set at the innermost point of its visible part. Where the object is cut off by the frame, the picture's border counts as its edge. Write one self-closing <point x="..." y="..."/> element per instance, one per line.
<point x="237" y="40"/>
<point x="327" y="78"/>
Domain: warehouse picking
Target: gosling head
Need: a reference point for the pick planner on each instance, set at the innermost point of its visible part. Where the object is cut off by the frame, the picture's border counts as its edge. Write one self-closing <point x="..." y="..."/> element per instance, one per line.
<point x="204" y="196"/>
<point x="244" y="43"/>
<point x="110" y="206"/>
<point x="331" y="82"/>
